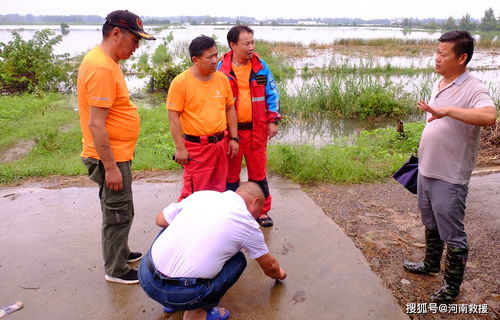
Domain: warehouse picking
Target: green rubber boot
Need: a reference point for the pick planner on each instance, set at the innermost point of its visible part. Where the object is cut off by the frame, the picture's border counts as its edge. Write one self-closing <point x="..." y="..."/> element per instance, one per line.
<point x="456" y="258"/>
<point x="433" y="252"/>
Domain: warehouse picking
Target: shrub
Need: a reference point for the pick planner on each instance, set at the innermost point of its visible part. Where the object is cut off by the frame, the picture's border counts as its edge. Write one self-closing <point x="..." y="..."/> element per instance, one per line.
<point x="31" y="66"/>
<point x="161" y="69"/>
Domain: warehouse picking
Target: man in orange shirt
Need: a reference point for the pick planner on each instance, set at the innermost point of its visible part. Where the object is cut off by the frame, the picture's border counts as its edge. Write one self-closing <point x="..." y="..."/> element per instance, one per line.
<point x="201" y="111"/>
<point x="257" y="107"/>
<point x="110" y="128"/>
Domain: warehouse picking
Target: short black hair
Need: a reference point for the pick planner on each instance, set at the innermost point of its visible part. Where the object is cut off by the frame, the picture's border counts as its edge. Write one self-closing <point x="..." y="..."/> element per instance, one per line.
<point x="234" y="33"/>
<point x="462" y="41"/>
<point x="199" y="45"/>
<point x="106" y="30"/>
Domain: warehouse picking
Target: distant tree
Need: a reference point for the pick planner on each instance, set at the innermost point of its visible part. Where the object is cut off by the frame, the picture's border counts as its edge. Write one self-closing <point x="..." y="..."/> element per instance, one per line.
<point x="407" y="23"/>
<point x="488" y="21"/>
<point x="433" y="25"/>
<point x="450" y="24"/>
<point x="466" y="23"/>
<point x="64" y="28"/>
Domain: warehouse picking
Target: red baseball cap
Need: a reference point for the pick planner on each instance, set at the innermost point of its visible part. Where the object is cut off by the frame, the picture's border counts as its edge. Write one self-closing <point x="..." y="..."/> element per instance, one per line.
<point x="130" y="21"/>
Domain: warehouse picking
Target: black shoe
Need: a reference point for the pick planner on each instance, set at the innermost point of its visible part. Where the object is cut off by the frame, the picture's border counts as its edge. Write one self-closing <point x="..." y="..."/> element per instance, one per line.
<point x="128" y="278"/>
<point x="265" y="221"/>
<point x="134" y="256"/>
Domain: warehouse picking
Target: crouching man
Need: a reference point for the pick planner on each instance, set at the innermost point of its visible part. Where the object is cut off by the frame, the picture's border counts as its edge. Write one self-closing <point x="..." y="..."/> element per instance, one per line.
<point x="197" y="258"/>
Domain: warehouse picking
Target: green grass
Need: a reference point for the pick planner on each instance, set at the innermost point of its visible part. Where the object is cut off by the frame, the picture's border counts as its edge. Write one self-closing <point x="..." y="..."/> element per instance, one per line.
<point x="29" y="117"/>
<point x="56" y="151"/>
<point x="374" y="156"/>
<point x="155" y="146"/>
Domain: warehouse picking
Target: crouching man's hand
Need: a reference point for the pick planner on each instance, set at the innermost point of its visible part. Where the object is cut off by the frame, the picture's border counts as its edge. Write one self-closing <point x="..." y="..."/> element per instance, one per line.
<point x="271" y="267"/>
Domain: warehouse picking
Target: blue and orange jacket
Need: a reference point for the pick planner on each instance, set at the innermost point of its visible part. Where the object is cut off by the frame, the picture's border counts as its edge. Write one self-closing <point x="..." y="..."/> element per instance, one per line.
<point x="264" y="92"/>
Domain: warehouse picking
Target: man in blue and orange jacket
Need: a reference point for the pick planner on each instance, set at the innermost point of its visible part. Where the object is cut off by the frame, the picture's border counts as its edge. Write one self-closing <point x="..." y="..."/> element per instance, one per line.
<point x="257" y="106"/>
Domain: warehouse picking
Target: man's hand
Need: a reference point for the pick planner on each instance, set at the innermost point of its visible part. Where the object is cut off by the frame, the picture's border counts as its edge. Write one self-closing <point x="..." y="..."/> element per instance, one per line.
<point x="181" y="156"/>
<point x="233" y="148"/>
<point x="484" y="116"/>
<point x="437" y="113"/>
<point x="272" y="129"/>
<point x="271" y="267"/>
<point x="114" y="178"/>
<point x="282" y="274"/>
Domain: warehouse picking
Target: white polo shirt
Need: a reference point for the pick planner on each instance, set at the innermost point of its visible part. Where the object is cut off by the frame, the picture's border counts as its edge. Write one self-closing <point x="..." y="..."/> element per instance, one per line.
<point x="205" y="230"/>
<point x="448" y="147"/>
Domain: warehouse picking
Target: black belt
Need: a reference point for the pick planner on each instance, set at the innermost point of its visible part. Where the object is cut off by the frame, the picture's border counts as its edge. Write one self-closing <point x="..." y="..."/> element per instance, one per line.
<point x="210" y="139"/>
<point x="183" y="282"/>
<point x="245" y="126"/>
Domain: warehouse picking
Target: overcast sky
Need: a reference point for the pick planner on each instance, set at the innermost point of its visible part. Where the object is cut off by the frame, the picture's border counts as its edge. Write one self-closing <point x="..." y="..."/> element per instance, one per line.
<point x="260" y="9"/>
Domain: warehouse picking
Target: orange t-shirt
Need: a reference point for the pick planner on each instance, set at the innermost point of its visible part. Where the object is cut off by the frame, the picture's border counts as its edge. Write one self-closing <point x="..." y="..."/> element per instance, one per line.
<point x="101" y="84"/>
<point x="202" y="104"/>
<point x="242" y="74"/>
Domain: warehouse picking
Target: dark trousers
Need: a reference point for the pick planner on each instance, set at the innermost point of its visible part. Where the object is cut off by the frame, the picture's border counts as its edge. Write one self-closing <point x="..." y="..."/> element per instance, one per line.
<point x="117" y="216"/>
<point x="442" y="207"/>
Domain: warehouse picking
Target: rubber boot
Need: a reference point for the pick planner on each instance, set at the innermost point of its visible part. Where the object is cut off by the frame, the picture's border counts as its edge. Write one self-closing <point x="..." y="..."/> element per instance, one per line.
<point x="456" y="258"/>
<point x="433" y="252"/>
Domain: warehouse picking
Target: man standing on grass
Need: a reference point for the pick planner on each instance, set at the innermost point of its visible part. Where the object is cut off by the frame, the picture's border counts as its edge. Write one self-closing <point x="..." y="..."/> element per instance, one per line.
<point x="201" y="112"/>
<point x="460" y="104"/>
<point x="110" y="127"/>
<point x="257" y="107"/>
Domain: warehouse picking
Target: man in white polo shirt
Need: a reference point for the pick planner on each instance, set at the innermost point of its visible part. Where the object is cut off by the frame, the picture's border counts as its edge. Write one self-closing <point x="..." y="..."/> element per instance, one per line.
<point x="460" y="104"/>
<point x="197" y="257"/>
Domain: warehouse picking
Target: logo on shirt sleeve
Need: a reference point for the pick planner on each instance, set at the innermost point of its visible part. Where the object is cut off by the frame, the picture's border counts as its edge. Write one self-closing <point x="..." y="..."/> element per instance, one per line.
<point x="218" y="94"/>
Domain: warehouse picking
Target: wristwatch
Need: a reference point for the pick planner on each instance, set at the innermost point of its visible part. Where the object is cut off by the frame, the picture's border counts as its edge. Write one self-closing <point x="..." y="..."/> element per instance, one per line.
<point x="237" y="139"/>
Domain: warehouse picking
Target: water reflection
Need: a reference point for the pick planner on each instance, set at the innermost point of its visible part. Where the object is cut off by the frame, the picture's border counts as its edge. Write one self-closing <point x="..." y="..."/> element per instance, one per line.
<point x="323" y="131"/>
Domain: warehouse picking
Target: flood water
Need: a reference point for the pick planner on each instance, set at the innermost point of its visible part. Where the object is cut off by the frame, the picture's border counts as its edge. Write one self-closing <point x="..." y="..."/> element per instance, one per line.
<point x="82" y="38"/>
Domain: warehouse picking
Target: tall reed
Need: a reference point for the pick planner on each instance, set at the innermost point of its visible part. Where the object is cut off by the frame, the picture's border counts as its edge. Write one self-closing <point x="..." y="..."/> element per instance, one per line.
<point x="348" y="96"/>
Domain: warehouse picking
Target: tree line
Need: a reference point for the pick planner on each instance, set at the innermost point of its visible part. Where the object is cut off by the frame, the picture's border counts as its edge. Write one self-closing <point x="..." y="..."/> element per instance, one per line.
<point x="488" y="23"/>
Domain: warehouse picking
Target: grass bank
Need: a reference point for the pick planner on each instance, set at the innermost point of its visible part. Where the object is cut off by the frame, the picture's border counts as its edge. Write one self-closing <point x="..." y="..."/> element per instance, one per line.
<point x="374" y="156"/>
<point x="52" y="123"/>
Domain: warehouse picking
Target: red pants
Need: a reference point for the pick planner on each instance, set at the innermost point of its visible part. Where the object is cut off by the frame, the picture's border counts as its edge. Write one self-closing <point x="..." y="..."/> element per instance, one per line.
<point x="207" y="169"/>
<point x="256" y="160"/>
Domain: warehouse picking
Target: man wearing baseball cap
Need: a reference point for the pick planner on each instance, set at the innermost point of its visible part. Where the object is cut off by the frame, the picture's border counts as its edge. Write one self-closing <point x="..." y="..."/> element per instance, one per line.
<point x="110" y="127"/>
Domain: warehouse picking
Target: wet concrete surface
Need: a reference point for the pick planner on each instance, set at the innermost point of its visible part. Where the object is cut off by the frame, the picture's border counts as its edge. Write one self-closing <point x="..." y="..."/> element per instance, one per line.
<point x="50" y="259"/>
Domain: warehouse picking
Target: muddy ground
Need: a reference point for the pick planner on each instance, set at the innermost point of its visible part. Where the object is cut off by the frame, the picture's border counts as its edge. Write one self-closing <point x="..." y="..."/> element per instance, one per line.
<point x="384" y="222"/>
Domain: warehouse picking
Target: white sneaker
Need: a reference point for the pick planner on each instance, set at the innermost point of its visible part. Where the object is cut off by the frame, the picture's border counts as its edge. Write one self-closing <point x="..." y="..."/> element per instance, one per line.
<point x="134" y="256"/>
<point x="128" y="278"/>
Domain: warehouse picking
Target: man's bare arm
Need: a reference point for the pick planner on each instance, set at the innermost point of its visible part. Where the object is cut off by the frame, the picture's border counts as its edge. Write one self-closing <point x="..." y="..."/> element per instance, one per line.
<point x="97" y="126"/>
<point x="485" y="116"/>
<point x="271" y="267"/>
<point x="181" y="153"/>
<point x="232" y="125"/>
<point x="160" y="220"/>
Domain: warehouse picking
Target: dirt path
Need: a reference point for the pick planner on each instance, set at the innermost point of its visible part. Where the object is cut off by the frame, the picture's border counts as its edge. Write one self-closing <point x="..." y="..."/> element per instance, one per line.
<point x="383" y="221"/>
